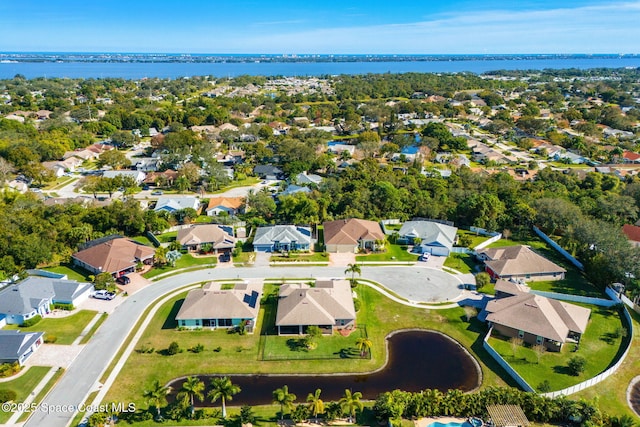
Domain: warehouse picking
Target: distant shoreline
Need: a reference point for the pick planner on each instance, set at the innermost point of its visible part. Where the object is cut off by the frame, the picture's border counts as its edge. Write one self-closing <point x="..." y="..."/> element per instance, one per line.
<point x="106" y="57"/>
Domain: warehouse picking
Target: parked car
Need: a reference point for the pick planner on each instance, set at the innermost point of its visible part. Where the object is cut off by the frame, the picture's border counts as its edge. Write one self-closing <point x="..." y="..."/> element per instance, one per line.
<point x="106" y="295"/>
<point x="157" y="193"/>
<point x="225" y="257"/>
<point x="123" y="280"/>
<point x="425" y="257"/>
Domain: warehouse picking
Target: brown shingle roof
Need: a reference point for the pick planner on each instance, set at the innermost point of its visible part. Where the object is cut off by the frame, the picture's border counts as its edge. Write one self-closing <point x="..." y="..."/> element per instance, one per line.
<point x="210" y="302"/>
<point x="301" y="305"/>
<point x="351" y="231"/>
<point x="115" y="255"/>
<point x="538" y="315"/>
<point x="518" y="260"/>
<point x="206" y="233"/>
<point x="632" y="232"/>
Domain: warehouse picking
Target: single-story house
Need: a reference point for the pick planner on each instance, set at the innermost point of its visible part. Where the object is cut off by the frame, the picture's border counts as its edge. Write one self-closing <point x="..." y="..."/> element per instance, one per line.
<point x="328" y="305"/>
<point x="211" y="307"/>
<point x="436" y="238"/>
<point x="231" y="205"/>
<point x="167" y="178"/>
<point x="268" y="172"/>
<point x="508" y="288"/>
<point x="18" y="347"/>
<point x="519" y="263"/>
<point x="282" y="238"/>
<point x="147" y="164"/>
<point x="630" y="157"/>
<point x="115" y="255"/>
<point x="538" y="320"/>
<point x="338" y="148"/>
<point x="305" y="178"/>
<point x="633" y="234"/>
<point x="220" y="237"/>
<point x="138" y="176"/>
<point x="173" y="204"/>
<point x="294" y="189"/>
<point x="35" y="295"/>
<point x="350" y="235"/>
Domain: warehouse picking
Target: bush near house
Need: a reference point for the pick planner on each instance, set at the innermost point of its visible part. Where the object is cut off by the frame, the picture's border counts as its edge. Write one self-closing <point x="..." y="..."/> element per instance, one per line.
<point x="31" y="322"/>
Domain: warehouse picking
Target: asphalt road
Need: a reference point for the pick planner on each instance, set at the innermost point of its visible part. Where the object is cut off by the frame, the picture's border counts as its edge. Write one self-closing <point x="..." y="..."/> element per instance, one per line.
<point x="414" y="283"/>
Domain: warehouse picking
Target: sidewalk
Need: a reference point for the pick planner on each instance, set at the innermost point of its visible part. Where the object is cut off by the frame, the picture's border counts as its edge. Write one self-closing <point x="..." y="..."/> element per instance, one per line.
<point x="45" y="380"/>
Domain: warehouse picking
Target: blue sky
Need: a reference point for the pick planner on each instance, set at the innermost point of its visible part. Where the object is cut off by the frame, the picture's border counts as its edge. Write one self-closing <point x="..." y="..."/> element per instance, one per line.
<point x="347" y="26"/>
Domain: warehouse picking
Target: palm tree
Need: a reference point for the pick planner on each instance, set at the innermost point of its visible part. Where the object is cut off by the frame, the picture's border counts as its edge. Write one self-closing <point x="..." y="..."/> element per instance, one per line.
<point x="364" y="345"/>
<point x="283" y="398"/>
<point x="224" y="390"/>
<point x="350" y="403"/>
<point x="192" y="389"/>
<point x="315" y="404"/>
<point x="157" y="396"/>
<point x="353" y="269"/>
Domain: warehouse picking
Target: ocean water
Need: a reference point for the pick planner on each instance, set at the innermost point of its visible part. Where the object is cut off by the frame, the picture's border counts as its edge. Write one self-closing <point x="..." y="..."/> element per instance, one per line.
<point x="138" y="70"/>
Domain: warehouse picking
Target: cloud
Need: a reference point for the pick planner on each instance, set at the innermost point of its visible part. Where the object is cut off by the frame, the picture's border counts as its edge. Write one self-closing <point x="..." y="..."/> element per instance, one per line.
<point x="588" y="29"/>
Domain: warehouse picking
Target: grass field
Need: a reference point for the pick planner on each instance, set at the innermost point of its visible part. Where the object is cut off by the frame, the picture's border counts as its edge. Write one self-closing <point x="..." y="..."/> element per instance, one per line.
<point x="301" y="257"/>
<point x="185" y="261"/>
<point x="335" y="346"/>
<point x="393" y="253"/>
<point x="143" y="239"/>
<point x="73" y="272"/>
<point x="66" y="329"/>
<point x="476" y="239"/>
<point x="167" y="237"/>
<point x="464" y="263"/>
<point x="54" y="379"/>
<point x="23" y="385"/>
<point x="597" y="346"/>
<point x="240" y="353"/>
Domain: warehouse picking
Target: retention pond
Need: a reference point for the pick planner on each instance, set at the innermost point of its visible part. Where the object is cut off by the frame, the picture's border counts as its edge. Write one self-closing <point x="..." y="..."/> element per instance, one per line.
<point x="417" y="360"/>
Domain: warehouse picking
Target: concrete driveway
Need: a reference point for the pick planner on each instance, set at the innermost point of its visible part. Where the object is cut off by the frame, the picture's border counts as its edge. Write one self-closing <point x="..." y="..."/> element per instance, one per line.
<point x="342" y="259"/>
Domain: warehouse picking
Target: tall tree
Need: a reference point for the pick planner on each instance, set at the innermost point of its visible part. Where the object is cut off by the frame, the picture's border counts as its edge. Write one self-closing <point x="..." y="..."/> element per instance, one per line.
<point x="353" y="269"/>
<point x="156" y="396"/>
<point x="223" y="389"/>
<point x="351" y="403"/>
<point x="282" y="397"/>
<point x="192" y="389"/>
<point x="316" y="405"/>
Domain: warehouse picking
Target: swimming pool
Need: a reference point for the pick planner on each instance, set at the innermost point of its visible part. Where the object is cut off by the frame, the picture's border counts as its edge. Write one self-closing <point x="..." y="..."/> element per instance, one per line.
<point x="473" y="422"/>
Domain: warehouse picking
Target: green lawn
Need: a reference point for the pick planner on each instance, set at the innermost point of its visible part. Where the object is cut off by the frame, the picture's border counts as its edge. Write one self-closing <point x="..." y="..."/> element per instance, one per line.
<point x="244" y="257"/>
<point x="336" y="346"/>
<point x="143" y="239"/>
<point x="476" y="239"/>
<point x="597" y="346"/>
<point x="23" y="385"/>
<point x="393" y="253"/>
<point x="66" y="329"/>
<point x="241" y="354"/>
<point x="301" y="257"/>
<point x="185" y="261"/>
<point x="250" y="180"/>
<point x="52" y="381"/>
<point x="167" y="237"/>
<point x="94" y="328"/>
<point x="73" y="272"/>
<point x="464" y="263"/>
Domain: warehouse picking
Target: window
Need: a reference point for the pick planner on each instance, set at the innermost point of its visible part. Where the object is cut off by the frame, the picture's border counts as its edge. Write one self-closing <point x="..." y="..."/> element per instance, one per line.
<point x="520" y="334"/>
<point x="539" y="339"/>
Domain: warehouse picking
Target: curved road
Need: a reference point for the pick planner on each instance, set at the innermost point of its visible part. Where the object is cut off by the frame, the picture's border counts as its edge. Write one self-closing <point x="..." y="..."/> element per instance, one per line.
<point x="413" y="283"/>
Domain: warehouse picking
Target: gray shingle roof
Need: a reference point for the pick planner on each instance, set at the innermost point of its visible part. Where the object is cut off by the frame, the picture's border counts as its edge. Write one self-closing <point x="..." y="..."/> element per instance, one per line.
<point x="14" y="344"/>
<point x="24" y="297"/>
<point x="282" y="234"/>
<point x="431" y="233"/>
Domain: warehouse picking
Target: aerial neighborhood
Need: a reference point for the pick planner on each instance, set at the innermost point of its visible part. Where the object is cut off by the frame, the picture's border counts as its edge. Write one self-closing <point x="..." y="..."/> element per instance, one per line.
<point x="209" y="247"/>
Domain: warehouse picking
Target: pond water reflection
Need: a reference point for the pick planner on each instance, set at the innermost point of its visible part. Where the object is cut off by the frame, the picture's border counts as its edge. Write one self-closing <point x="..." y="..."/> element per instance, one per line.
<point x="417" y="360"/>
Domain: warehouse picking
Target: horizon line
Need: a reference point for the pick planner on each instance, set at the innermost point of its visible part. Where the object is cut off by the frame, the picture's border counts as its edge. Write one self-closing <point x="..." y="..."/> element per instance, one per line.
<point x="2" y="52"/>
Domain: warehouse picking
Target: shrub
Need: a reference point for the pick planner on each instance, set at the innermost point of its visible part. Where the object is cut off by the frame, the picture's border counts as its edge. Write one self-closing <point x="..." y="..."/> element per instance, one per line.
<point x="198" y="348"/>
<point x="31" y="322"/>
<point x="145" y="349"/>
<point x="8" y="396"/>
<point x="482" y="280"/>
<point x="218" y="349"/>
<point x="174" y="348"/>
<point x="60" y="306"/>
<point x="9" y="369"/>
<point x="544" y="386"/>
<point x="577" y="365"/>
<point x="50" y="339"/>
<point x="356" y="304"/>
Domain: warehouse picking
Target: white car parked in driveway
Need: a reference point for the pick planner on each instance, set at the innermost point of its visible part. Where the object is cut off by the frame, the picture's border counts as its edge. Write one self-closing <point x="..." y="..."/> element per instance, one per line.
<point x="106" y="295"/>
